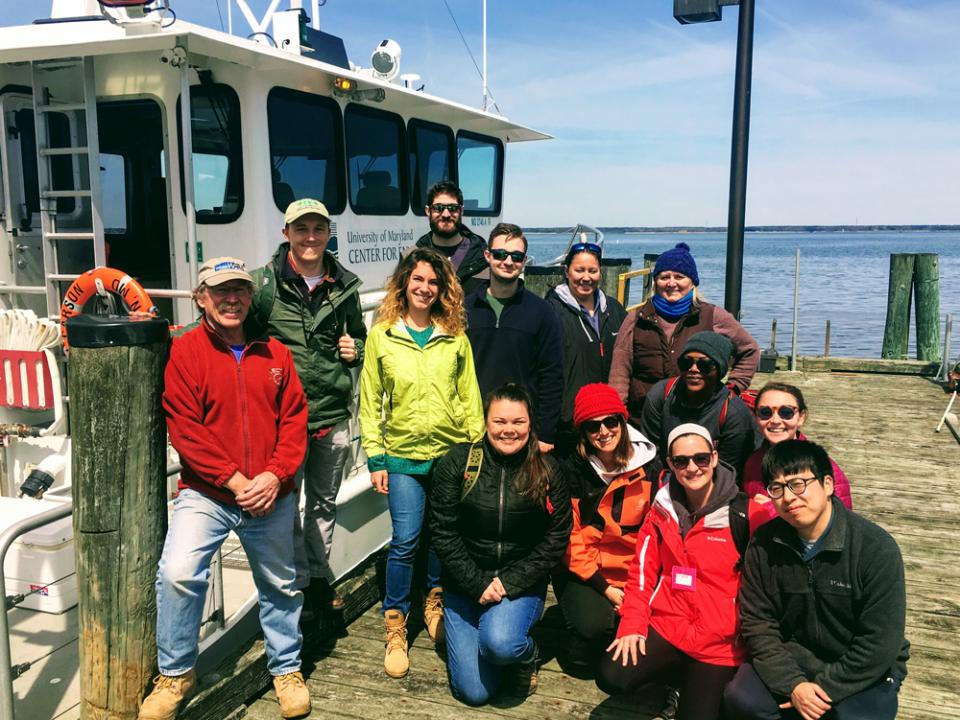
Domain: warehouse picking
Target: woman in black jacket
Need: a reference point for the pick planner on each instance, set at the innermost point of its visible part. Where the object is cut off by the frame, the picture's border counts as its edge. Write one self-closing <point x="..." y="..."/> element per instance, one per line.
<point x="501" y="520"/>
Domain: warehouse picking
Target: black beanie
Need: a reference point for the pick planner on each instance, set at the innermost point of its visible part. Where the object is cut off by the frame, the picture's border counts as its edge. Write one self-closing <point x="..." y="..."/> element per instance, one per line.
<point x="714" y="345"/>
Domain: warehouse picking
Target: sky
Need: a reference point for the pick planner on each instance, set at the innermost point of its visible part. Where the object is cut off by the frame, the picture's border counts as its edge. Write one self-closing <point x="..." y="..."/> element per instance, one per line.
<point x="855" y="104"/>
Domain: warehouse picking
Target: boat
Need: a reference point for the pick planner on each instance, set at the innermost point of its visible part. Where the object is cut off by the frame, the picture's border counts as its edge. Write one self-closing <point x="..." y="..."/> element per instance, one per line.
<point x="99" y="101"/>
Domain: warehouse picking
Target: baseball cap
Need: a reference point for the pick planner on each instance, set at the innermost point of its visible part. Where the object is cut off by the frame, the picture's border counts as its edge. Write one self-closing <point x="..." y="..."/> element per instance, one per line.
<point x="218" y="270"/>
<point x="304" y="206"/>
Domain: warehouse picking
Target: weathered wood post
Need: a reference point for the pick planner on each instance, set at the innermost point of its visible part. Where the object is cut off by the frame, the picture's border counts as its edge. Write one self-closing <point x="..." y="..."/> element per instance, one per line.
<point x="610" y="271"/>
<point x="926" y="288"/>
<point x="119" y="518"/>
<point x="896" y="333"/>
<point x="649" y="260"/>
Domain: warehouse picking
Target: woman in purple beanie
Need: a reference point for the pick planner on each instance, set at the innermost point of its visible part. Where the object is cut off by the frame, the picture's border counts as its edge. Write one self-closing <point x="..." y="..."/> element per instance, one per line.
<point x="654" y="334"/>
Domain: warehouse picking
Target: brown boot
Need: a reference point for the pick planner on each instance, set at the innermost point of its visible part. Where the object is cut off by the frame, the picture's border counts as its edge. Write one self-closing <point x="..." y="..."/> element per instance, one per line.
<point x="395" y="661"/>
<point x="292" y="694"/>
<point x="168" y="694"/>
<point x="433" y="615"/>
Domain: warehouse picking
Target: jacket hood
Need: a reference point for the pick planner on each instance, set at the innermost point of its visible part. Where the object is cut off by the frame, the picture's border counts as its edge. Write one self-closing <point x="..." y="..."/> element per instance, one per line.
<point x="643" y="452"/>
<point x="671" y="497"/>
<point x="399" y="327"/>
<point x="563" y="292"/>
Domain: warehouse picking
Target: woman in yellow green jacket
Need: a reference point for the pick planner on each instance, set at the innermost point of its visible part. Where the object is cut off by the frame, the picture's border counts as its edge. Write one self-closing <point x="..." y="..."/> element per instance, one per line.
<point x="418" y="397"/>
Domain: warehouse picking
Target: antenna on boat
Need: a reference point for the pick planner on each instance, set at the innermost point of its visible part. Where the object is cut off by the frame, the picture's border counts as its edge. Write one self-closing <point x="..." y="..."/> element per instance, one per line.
<point x="485" y="91"/>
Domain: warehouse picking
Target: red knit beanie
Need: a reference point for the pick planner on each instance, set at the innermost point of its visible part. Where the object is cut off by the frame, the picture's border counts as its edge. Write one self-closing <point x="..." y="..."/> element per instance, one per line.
<point x="597" y="400"/>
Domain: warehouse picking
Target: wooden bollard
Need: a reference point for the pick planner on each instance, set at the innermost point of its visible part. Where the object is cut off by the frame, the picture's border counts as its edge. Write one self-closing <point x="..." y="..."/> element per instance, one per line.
<point x="119" y="518"/>
<point x="896" y="333"/>
<point x="649" y="261"/>
<point x="610" y="271"/>
<point x="926" y="288"/>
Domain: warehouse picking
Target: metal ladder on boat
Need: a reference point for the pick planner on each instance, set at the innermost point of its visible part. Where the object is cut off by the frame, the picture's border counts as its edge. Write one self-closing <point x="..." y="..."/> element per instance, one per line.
<point x="78" y="75"/>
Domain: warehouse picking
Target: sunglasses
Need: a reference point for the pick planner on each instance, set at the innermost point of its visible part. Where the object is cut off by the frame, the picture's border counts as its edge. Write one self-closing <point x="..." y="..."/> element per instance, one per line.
<point x="611" y="422"/>
<point x="500" y="255"/>
<point x="452" y="208"/>
<point x="798" y="486"/>
<point x="786" y="412"/>
<point x="585" y="247"/>
<point x="705" y="365"/>
<point x="701" y="460"/>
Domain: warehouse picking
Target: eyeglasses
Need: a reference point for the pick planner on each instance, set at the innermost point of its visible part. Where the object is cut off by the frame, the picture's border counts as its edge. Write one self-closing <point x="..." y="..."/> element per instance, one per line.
<point x="500" y="255"/>
<point x="704" y="365"/>
<point x="786" y="412"/>
<point x="798" y="486"/>
<point x="701" y="460"/>
<point x="611" y="422"/>
<point x="585" y="247"/>
<point x="452" y="208"/>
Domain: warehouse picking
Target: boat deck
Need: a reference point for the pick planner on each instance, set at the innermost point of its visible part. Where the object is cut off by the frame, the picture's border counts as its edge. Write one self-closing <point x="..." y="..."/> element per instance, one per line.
<point x="880" y="428"/>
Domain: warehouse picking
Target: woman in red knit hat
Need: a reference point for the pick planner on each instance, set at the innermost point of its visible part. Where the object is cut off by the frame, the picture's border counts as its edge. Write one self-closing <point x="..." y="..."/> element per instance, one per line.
<point x="612" y="477"/>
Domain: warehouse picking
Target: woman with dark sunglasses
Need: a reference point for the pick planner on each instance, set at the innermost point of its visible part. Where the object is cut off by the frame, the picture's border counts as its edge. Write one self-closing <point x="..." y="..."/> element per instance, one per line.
<point x="679" y="615"/>
<point x="781" y="411"/>
<point x="651" y="335"/>
<point x="589" y="321"/>
<point x="612" y="479"/>
<point x="699" y="396"/>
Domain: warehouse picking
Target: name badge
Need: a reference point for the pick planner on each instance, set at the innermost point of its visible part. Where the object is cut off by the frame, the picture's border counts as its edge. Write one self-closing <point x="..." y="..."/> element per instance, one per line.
<point x="684" y="578"/>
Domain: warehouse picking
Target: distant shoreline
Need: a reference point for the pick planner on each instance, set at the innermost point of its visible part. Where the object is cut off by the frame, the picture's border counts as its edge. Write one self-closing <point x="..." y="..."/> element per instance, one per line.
<point x="760" y="229"/>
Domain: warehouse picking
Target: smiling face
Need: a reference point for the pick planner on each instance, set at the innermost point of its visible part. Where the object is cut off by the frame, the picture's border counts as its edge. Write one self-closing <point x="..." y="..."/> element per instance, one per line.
<point x="508" y="269"/>
<point x="308" y="237"/>
<point x="446" y="223"/>
<point x="776" y="429"/>
<point x="604" y="439"/>
<point x="508" y="426"/>
<point x="672" y="285"/>
<point x="226" y="305"/>
<point x="423" y="287"/>
<point x="688" y="448"/>
<point x="583" y="276"/>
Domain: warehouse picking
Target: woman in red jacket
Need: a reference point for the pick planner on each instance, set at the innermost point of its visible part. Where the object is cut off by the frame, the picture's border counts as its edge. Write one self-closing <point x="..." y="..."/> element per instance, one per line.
<point x="679" y="615"/>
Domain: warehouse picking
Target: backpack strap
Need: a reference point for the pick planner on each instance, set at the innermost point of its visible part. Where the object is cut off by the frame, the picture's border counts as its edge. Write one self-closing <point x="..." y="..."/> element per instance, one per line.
<point x="740" y="525"/>
<point x="471" y="471"/>
<point x="668" y="388"/>
<point x="723" y="413"/>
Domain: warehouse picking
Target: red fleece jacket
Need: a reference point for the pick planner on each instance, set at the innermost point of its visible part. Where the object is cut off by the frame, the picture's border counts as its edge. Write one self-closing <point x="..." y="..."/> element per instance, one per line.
<point x="224" y="416"/>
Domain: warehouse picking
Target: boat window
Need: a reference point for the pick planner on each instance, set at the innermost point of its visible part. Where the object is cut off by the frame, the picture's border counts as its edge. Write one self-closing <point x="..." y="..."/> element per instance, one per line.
<point x="217" y="154"/>
<point x="306" y="141"/>
<point x="375" y="144"/>
<point x="61" y="166"/>
<point x="431" y="150"/>
<point x="480" y="172"/>
<point x="113" y="188"/>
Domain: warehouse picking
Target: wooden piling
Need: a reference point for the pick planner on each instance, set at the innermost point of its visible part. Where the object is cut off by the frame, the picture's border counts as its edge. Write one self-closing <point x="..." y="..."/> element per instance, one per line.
<point x="649" y="261"/>
<point x="826" y="341"/>
<point x="896" y="333"/>
<point x="926" y="288"/>
<point x="119" y="518"/>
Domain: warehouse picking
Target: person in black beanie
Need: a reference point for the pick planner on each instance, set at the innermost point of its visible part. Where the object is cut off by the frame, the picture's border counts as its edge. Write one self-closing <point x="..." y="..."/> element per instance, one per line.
<point x="699" y="396"/>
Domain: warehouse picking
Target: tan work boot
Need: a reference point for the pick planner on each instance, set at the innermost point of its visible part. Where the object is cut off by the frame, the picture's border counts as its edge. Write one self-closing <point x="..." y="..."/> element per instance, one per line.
<point x="433" y="615"/>
<point x="168" y="693"/>
<point x="292" y="694"/>
<point x="395" y="661"/>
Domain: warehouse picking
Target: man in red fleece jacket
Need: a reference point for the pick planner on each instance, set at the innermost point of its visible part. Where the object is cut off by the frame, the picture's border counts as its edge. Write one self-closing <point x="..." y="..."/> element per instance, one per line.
<point x="237" y="415"/>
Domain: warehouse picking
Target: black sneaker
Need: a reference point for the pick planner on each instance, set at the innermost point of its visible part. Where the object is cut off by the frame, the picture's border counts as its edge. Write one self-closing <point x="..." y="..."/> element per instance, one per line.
<point x="526" y="676"/>
<point x="670" y="703"/>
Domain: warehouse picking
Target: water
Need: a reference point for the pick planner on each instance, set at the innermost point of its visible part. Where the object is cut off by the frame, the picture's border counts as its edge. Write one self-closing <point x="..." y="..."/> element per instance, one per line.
<point x="843" y="278"/>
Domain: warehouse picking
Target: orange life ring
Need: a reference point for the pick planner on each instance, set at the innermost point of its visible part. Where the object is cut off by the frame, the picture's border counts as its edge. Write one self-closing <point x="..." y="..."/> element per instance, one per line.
<point x="91" y="283"/>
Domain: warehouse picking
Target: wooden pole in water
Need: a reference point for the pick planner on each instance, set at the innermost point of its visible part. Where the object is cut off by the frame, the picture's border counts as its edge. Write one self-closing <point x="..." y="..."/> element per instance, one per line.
<point x="796" y="312"/>
<point x="826" y="341"/>
<point x="119" y="518"/>
<point x="926" y="288"/>
<point x="896" y="333"/>
<point x="649" y="261"/>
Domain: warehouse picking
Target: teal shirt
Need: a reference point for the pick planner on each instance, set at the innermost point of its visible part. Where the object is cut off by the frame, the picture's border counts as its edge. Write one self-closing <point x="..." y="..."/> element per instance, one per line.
<point x="420" y="337"/>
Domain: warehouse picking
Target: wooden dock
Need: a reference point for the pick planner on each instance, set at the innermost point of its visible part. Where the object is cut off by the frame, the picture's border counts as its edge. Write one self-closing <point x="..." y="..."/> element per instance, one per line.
<point x="879" y="428"/>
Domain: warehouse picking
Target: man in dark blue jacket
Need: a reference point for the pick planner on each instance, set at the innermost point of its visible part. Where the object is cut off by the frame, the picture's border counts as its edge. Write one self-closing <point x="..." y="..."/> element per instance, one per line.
<point x="515" y="335"/>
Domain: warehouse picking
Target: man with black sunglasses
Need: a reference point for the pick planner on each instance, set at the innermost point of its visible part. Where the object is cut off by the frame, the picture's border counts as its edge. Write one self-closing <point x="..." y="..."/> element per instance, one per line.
<point x="515" y="335"/>
<point x="451" y="238"/>
<point x="822" y="603"/>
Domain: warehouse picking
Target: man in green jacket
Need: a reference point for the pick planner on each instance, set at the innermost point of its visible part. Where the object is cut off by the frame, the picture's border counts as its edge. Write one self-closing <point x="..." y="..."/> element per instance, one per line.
<point x="311" y="304"/>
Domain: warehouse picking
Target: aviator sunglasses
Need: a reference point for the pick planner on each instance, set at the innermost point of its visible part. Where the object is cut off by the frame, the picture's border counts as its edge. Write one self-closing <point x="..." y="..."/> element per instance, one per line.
<point x="611" y="422"/>
<point x="704" y="365"/>
<point x="585" y="247"/>
<point x="786" y="412"/>
<point x="701" y="460"/>
<point x="452" y="208"/>
<point x="500" y="255"/>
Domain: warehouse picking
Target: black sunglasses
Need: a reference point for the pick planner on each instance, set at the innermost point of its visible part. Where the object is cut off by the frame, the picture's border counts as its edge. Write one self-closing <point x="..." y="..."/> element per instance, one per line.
<point x="500" y="255"/>
<point x="452" y="208"/>
<point x="786" y="412"/>
<point x="705" y="365"/>
<point x="611" y="422"/>
<point x="701" y="460"/>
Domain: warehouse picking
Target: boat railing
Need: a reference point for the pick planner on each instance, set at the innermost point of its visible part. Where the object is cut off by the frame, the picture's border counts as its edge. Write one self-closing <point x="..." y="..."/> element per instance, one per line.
<point x="625" y="277"/>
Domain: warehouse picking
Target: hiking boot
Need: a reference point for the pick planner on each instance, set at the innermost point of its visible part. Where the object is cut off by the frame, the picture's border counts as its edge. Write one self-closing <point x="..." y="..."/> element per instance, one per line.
<point x="292" y="694"/>
<point x="433" y="615"/>
<point x="526" y="677"/>
<point x="670" y="704"/>
<point x="396" y="663"/>
<point x="169" y="692"/>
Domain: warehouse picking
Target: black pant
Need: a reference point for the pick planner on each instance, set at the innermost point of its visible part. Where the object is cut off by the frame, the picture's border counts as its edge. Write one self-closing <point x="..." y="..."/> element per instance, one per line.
<point x="588" y="613"/>
<point x="747" y="698"/>
<point x="700" y="684"/>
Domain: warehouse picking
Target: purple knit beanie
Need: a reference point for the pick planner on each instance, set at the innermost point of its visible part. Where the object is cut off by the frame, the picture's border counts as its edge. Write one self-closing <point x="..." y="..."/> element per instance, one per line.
<point x="679" y="260"/>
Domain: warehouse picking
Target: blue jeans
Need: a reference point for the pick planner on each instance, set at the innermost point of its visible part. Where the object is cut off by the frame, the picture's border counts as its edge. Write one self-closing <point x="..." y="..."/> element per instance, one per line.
<point x="481" y="639"/>
<point x="407" y="499"/>
<point x="197" y="529"/>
